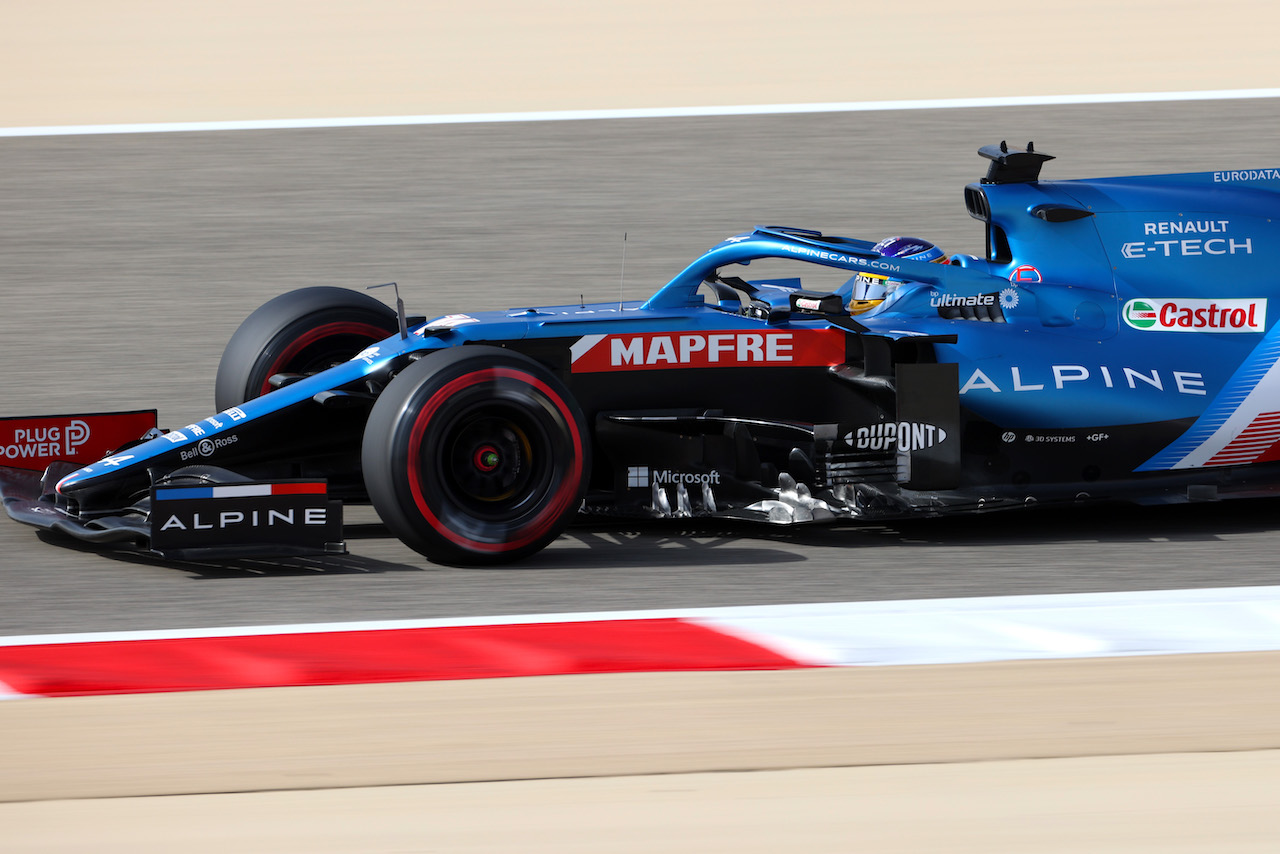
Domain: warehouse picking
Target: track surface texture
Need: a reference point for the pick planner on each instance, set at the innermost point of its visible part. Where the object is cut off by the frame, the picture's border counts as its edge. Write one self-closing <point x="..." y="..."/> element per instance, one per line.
<point x="130" y="260"/>
<point x="127" y="262"/>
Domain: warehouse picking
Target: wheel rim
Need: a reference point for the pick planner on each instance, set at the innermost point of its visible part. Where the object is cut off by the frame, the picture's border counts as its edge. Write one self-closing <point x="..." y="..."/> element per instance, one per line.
<point x="479" y="516"/>
<point x="490" y="463"/>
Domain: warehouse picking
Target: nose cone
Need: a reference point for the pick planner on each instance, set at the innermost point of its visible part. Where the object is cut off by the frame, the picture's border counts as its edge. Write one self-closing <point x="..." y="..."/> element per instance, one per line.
<point x="121" y="477"/>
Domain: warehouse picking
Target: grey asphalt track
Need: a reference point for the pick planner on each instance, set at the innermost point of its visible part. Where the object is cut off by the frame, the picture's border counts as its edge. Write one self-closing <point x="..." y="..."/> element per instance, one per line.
<point x="127" y="261"/>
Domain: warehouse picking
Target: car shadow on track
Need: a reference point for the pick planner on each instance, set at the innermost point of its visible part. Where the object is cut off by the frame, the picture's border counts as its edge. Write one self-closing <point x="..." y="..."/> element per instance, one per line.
<point x="614" y="543"/>
<point x="642" y="544"/>
<point x="1117" y="523"/>
<point x="279" y="566"/>
<point x="1101" y="523"/>
<point x="371" y="544"/>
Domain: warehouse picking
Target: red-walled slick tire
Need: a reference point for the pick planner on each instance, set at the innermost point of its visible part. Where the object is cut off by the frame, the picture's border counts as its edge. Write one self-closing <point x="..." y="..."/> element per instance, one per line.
<point x="299" y="332"/>
<point x="475" y="455"/>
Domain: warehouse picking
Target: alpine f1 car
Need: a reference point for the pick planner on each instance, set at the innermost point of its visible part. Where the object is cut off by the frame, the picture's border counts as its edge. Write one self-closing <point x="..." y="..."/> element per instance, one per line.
<point x="1115" y="342"/>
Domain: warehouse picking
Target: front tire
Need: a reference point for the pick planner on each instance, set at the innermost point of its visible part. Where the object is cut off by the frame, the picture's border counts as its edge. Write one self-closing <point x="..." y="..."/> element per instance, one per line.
<point x="299" y="332"/>
<point x="475" y="455"/>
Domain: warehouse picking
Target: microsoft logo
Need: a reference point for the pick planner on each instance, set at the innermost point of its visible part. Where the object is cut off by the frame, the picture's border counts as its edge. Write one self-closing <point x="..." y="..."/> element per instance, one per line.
<point x="640" y="477"/>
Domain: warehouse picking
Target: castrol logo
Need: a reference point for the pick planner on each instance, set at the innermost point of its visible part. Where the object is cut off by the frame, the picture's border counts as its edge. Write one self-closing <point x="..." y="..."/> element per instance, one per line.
<point x="1196" y="315"/>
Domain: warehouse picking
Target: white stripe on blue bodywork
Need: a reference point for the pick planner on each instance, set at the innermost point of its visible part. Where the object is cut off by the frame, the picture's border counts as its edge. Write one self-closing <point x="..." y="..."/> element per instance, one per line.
<point x="1243" y="383"/>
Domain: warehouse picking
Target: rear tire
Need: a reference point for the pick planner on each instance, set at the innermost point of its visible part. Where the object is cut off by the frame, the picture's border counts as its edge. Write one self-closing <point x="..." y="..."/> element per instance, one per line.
<point x="475" y="455"/>
<point x="298" y="332"/>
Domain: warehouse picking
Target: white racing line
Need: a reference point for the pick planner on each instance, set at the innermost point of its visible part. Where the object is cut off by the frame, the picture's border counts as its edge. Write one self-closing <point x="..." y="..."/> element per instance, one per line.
<point x="646" y="113"/>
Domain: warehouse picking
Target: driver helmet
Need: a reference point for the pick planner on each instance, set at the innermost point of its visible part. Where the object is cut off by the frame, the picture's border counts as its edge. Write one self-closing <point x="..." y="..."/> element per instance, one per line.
<point x="871" y="289"/>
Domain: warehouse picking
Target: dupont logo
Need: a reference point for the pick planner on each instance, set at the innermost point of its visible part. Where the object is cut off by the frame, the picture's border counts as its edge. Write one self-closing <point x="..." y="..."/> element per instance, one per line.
<point x="903" y="436"/>
<point x="1196" y="315"/>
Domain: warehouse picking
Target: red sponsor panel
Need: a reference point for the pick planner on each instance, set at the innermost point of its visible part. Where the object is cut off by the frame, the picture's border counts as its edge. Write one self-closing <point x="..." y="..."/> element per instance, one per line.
<point x="391" y="655"/>
<point x="32" y="443"/>
<point x="656" y="351"/>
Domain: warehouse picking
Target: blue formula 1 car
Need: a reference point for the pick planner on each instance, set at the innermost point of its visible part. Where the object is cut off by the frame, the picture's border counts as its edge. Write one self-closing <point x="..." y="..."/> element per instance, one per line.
<point x="1116" y="342"/>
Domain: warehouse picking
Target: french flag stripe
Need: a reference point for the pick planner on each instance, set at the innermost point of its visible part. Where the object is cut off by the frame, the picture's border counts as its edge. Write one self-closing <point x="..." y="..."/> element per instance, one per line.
<point x="240" y="490"/>
<point x="298" y="488"/>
